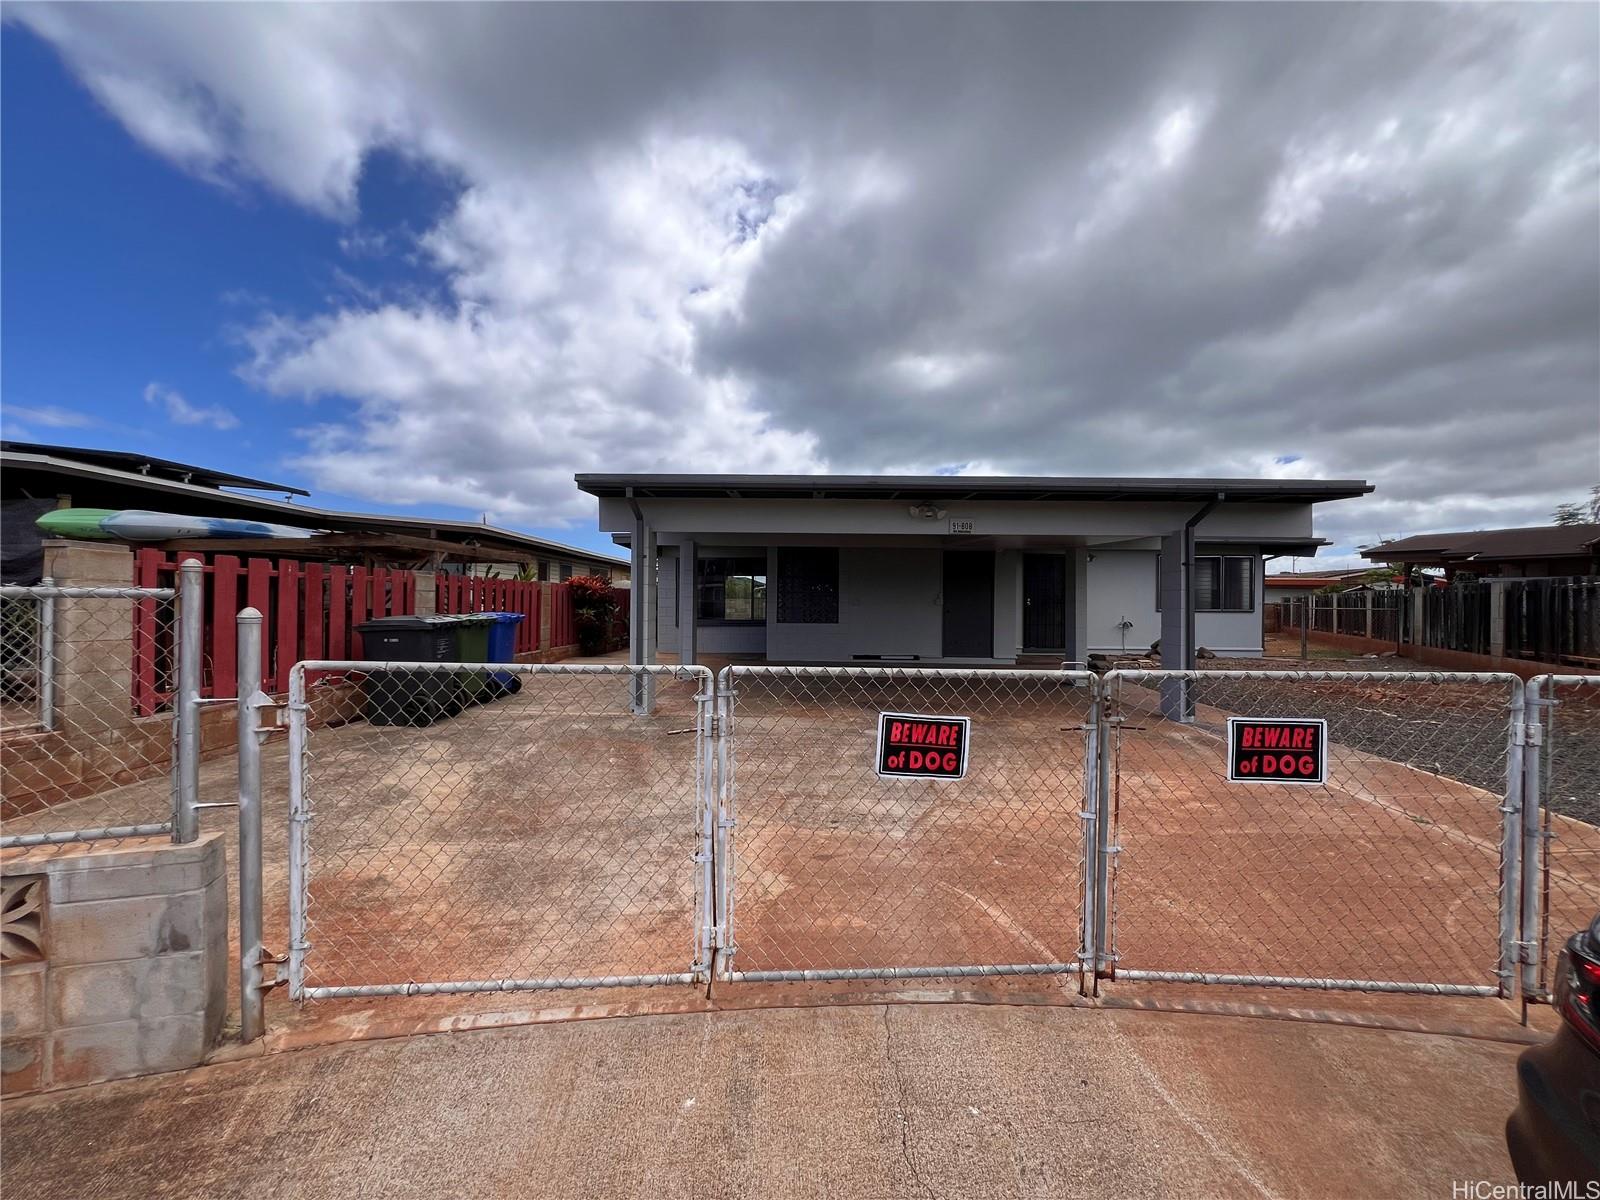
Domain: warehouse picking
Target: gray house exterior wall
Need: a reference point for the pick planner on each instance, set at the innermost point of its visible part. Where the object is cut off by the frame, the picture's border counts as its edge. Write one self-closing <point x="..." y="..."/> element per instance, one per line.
<point x="891" y="569"/>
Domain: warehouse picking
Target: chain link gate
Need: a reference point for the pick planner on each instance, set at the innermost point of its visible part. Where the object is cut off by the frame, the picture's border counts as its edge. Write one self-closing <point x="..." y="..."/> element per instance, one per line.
<point x="100" y="707"/>
<point x="461" y="828"/>
<point x="1561" y="831"/>
<point x="1400" y="873"/>
<point x="830" y="871"/>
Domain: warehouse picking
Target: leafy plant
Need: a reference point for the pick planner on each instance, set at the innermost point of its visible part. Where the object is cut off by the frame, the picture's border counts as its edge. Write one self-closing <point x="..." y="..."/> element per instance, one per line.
<point x="594" y="605"/>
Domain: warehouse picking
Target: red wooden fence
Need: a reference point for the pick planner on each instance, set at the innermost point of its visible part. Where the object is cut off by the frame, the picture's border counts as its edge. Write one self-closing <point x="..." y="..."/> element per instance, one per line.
<point x="563" y="629"/>
<point x="308" y="610"/>
<point x="459" y="594"/>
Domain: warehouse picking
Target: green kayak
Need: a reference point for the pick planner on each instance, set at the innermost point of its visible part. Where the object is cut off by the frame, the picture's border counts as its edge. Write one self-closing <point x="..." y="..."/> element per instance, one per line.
<point x="76" y="523"/>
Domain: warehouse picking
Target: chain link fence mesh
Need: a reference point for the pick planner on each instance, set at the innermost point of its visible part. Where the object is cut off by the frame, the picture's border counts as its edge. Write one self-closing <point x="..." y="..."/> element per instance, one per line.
<point x="522" y="827"/>
<point x="1570" y="820"/>
<point x="1390" y="872"/>
<point x="837" y="872"/>
<point x="87" y="715"/>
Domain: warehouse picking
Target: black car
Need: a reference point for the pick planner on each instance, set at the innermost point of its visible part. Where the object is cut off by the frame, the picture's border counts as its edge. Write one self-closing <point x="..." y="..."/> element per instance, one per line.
<point x="1554" y="1134"/>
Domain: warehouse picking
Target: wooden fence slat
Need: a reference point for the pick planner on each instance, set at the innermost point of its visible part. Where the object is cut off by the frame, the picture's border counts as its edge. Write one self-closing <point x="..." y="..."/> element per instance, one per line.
<point x="359" y="602"/>
<point x="316" y="614"/>
<point x="286" y="645"/>
<point x="224" y="611"/>
<point x="338" y="614"/>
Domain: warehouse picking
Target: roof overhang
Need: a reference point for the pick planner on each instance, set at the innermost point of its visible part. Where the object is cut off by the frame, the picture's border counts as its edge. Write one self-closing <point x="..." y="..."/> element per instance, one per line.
<point x="968" y="487"/>
<point x="448" y="532"/>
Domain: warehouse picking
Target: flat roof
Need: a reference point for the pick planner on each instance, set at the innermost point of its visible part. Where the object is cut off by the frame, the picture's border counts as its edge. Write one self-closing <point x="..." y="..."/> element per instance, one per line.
<point x="145" y="464"/>
<point x="967" y="487"/>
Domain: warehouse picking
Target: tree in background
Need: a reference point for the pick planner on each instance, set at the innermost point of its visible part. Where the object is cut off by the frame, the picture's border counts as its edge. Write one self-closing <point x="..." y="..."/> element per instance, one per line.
<point x="594" y="606"/>
<point x="1579" y="512"/>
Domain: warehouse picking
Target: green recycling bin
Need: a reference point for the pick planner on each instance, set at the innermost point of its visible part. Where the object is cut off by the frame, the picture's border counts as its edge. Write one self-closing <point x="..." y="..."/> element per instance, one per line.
<point x="472" y="646"/>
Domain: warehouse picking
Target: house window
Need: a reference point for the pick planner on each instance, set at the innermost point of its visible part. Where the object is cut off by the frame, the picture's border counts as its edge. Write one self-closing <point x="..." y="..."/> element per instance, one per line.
<point x="1222" y="583"/>
<point x="731" y="591"/>
<point x="566" y="572"/>
<point x="808" y="586"/>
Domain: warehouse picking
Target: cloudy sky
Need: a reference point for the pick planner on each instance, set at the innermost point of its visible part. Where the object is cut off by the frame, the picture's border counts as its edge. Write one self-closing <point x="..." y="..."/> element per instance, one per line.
<point x="440" y="258"/>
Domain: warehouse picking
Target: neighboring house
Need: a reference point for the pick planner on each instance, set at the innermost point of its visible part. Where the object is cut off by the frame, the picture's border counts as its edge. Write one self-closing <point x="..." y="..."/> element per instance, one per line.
<point x="37" y="478"/>
<point x="841" y="569"/>
<point x="1539" y="551"/>
<point x="1303" y="583"/>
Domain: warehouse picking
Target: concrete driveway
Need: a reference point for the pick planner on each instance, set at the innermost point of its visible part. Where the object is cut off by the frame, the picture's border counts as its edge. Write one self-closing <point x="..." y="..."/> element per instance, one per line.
<point x="864" y="1101"/>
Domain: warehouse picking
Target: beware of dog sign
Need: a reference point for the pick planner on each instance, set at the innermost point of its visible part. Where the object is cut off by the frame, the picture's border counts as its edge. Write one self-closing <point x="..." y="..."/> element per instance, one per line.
<point x="1277" y="750"/>
<point x="919" y="747"/>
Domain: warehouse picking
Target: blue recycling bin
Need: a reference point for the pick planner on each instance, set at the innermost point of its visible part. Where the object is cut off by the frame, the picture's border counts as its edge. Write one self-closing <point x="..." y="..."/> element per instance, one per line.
<point x="503" y="649"/>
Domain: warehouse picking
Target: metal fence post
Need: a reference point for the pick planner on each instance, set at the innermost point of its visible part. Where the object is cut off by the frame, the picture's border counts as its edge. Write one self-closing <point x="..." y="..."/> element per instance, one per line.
<point x="251" y="996"/>
<point x="191" y="628"/>
<point x="1104" y="952"/>
<point x="1511" y="844"/>
<point x="1088" y="952"/>
<point x="1533" y="847"/>
<point x="47" y="658"/>
<point x="705" y="786"/>
<point x="725" y="822"/>
<point x="298" y="819"/>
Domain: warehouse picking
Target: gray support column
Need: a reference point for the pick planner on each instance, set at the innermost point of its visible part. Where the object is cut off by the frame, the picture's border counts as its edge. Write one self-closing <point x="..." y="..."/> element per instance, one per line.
<point x="649" y="596"/>
<point x="1078" y="606"/>
<point x="688" y="617"/>
<point x="638" y="616"/>
<point x="1177" y="623"/>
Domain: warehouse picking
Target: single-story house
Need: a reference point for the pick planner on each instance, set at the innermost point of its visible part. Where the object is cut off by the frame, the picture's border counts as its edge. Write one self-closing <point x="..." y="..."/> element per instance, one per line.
<point x="1534" y="552"/>
<point x="37" y="478"/>
<point x="951" y="569"/>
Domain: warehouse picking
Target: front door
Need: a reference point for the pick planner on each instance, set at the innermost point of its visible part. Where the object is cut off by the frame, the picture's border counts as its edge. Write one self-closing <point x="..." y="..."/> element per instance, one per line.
<point x="1044" y="602"/>
<point x="969" y="604"/>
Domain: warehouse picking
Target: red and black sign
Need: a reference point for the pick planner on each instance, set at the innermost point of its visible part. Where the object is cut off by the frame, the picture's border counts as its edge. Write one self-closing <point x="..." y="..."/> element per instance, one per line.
<point x="913" y="747"/>
<point x="1277" y="750"/>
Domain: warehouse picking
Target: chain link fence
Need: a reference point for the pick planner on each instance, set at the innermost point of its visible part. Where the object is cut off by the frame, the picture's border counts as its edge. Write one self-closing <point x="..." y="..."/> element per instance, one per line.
<point x="837" y="872"/>
<point x="1563" y="846"/>
<point x="458" y="828"/>
<point x="469" y="828"/>
<point x="81" y="760"/>
<point x="1398" y="873"/>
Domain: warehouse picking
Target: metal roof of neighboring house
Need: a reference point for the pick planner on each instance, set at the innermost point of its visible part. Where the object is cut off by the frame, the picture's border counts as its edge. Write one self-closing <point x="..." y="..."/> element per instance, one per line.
<point x="208" y="501"/>
<point x="967" y="487"/>
<point x="1538" y="541"/>
<point x="146" y="464"/>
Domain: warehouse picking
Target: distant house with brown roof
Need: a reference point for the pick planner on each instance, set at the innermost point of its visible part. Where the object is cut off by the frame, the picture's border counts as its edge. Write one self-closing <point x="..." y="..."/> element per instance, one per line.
<point x="1538" y="551"/>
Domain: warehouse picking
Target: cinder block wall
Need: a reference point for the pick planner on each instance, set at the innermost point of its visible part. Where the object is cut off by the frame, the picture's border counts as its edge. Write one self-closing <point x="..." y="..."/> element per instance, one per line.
<point x="120" y="967"/>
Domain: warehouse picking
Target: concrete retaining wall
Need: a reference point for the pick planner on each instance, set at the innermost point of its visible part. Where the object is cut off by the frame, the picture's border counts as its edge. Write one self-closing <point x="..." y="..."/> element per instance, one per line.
<point x="123" y="970"/>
